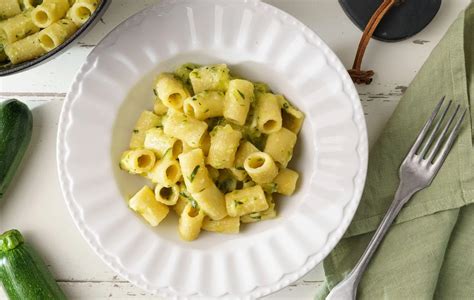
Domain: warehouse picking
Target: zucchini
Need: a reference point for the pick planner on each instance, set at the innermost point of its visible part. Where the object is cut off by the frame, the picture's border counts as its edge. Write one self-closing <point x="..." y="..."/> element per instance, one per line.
<point x="23" y="273"/>
<point x="16" y="124"/>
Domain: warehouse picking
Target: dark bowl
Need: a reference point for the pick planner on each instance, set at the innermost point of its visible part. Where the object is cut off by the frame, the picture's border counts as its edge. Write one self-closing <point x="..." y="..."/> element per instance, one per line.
<point x="8" y="69"/>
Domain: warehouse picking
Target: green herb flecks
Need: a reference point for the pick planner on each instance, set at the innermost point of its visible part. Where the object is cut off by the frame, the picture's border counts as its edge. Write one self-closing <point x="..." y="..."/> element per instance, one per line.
<point x="241" y="94"/>
<point x="237" y="203"/>
<point x="193" y="173"/>
<point x="136" y="131"/>
<point x="188" y="197"/>
<point x="155" y="92"/>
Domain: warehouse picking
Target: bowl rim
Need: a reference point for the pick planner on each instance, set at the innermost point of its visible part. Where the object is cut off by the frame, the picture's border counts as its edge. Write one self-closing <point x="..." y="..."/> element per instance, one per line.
<point x="349" y="209"/>
<point x="10" y="69"/>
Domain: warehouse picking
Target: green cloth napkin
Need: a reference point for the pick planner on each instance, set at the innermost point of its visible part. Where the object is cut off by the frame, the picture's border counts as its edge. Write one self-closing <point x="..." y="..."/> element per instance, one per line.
<point x="429" y="251"/>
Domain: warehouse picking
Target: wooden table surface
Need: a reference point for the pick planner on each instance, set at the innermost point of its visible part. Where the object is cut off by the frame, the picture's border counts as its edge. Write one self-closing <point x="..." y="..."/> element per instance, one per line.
<point x="34" y="203"/>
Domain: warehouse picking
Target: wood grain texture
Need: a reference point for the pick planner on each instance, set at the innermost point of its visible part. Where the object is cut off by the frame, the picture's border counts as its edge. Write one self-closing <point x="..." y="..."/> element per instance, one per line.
<point x="34" y="202"/>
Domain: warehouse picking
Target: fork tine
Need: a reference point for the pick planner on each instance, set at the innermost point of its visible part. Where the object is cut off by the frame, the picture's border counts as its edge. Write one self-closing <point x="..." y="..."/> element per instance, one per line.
<point x="433" y="133"/>
<point x="449" y="142"/>
<point x="442" y="135"/>
<point x="424" y="130"/>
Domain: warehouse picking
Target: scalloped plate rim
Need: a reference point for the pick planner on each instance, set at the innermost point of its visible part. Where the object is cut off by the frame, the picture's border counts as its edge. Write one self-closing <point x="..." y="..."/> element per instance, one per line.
<point x="258" y="291"/>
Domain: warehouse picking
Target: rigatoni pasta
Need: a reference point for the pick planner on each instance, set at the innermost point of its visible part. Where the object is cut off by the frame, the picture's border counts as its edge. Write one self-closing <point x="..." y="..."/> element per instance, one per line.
<point x="31" y="28"/>
<point x="9" y="8"/>
<point x="237" y="101"/>
<point x="17" y="28"/>
<point x="224" y="143"/>
<point x="49" y="12"/>
<point x="81" y="10"/>
<point x="24" y="49"/>
<point x="216" y="148"/>
<point x="56" y="34"/>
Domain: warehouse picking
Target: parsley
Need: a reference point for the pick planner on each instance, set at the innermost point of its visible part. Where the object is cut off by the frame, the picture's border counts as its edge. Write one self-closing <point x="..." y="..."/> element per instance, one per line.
<point x="256" y="217"/>
<point x="194" y="98"/>
<point x="159" y="126"/>
<point x="207" y="110"/>
<point x="240" y="168"/>
<point x="135" y="130"/>
<point x="285" y="105"/>
<point x="193" y="173"/>
<point x="166" y="152"/>
<point x="189" y="68"/>
<point x="237" y="203"/>
<point x="155" y="92"/>
<point x="193" y="202"/>
<point x="241" y="94"/>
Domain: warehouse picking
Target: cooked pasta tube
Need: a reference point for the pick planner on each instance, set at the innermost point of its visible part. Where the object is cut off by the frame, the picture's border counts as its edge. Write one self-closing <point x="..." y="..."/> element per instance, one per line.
<point x="144" y="203"/>
<point x="9" y="8"/>
<point x="165" y="172"/>
<point x="268" y="114"/>
<point x="49" y="12"/>
<point x="25" y="49"/>
<point x="245" y="201"/>
<point x="56" y="34"/>
<point x="226" y="225"/>
<point x="269" y="213"/>
<point x="280" y="145"/>
<point x="211" y="201"/>
<point x="224" y="143"/>
<point x="190" y="222"/>
<point x="17" y="28"/>
<point x="285" y="181"/>
<point x="28" y="4"/>
<point x="292" y="117"/>
<point x="245" y="149"/>
<point x="162" y="144"/>
<point x="82" y="10"/>
<point x="137" y="161"/>
<point x="210" y="78"/>
<point x="195" y="174"/>
<point x="159" y="108"/>
<point x="168" y="195"/>
<point x="147" y="120"/>
<point x="261" y="167"/>
<point x="207" y="104"/>
<point x="171" y="91"/>
<point x="189" y="130"/>
<point x="237" y="101"/>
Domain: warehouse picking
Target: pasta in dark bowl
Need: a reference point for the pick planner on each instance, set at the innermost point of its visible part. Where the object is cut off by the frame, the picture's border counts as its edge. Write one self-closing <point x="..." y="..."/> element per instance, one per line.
<point x="34" y="31"/>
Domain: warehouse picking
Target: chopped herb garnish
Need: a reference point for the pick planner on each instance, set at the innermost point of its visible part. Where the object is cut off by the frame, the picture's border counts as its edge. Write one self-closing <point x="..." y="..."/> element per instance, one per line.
<point x="159" y="126"/>
<point x="237" y="203"/>
<point x="193" y="173"/>
<point x="241" y="94"/>
<point x="155" y="92"/>
<point x="135" y="130"/>
<point x="166" y="152"/>
<point x="256" y="217"/>
<point x="240" y="168"/>
<point x="207" y="110"/>
<point x="194" y="203"/>
<point x="285" y="105"/>
<point x="189" y="68"/>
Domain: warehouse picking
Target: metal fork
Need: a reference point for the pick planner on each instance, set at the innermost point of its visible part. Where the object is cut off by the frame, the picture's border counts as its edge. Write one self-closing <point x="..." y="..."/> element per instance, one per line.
<point x="417" y="171"/>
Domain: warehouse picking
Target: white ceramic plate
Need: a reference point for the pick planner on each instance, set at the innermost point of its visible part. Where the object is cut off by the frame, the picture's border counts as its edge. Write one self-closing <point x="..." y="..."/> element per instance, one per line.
<point x="261" y="43"/>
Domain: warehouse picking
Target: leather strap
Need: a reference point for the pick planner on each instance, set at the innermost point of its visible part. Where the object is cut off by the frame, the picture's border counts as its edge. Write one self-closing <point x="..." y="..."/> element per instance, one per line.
<point x="357" y="75"/>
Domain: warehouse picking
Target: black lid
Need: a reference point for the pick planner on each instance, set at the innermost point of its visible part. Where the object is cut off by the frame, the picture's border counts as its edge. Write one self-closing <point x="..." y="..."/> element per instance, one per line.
<point x="402" y="21"/>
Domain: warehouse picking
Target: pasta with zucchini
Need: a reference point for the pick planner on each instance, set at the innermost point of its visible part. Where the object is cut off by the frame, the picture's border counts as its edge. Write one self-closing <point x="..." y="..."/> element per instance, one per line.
<point x="216" y="148"/>
<point x="31" y="28"/>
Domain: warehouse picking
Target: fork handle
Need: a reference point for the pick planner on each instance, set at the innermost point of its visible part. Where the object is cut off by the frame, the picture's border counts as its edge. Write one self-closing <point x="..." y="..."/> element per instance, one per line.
<point x="403" y="194"/>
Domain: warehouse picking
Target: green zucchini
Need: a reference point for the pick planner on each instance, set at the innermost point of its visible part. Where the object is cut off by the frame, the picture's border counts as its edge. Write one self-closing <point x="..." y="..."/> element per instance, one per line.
<point x="16" y="125"/>
<point x="23" y="273"/>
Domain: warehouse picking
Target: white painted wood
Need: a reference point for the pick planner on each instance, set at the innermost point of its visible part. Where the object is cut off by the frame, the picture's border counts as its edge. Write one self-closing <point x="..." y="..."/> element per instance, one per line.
<point x="34" y="203"/>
